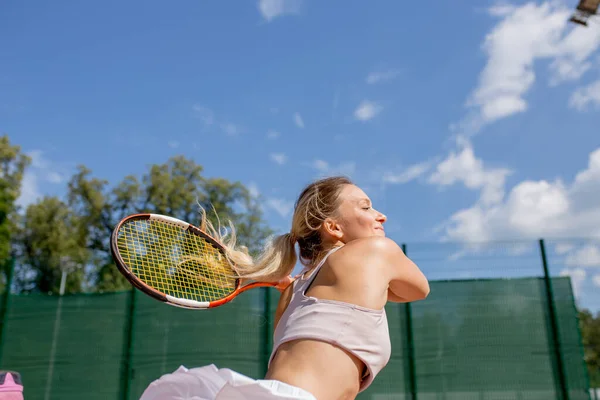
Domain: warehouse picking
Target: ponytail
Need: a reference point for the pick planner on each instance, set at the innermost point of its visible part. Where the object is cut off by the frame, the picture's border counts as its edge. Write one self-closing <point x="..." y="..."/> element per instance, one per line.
<point x="317" y="202"/>
<point x="277" y="260"/>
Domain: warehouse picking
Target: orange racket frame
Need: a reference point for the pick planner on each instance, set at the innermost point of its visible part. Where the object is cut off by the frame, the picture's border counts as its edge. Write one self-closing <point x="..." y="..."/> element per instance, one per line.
<point x="165" y="298"/>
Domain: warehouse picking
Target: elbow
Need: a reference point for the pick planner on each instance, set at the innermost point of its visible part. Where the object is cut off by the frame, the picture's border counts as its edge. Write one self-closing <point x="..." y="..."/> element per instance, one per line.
<point x="412" y="294"/>
<point x="422" y="293"/>
<point x="425" y="292"/>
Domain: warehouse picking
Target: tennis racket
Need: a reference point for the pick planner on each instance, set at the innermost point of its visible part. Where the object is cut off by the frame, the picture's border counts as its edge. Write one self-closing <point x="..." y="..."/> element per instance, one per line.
<point x="175" y="262"/>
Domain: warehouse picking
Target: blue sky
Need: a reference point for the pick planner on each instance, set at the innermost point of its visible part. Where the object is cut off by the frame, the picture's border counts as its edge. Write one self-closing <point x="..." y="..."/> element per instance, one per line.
<point x="462" y="122"/>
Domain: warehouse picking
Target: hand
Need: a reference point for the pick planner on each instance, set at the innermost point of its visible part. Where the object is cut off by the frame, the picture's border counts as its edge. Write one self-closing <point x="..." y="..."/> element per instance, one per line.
<point x="284" y="283"/>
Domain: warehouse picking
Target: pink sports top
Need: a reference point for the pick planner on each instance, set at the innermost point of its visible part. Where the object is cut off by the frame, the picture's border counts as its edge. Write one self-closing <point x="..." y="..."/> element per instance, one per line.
<point x="363" y="332"/>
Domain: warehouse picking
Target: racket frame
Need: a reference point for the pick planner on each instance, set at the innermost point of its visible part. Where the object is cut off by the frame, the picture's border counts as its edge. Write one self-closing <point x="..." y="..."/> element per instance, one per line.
<point x="165" y="298"/>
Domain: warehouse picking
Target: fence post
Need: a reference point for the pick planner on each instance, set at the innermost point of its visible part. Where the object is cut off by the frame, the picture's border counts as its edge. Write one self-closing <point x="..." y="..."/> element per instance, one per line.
<point x="266" y="332"/>
<point x="9" y="267"/>
<point x="562" y="379"/>
<point x="410" y="346"/>
<point x="581" y="347"/>
<point x="127" y="372"/>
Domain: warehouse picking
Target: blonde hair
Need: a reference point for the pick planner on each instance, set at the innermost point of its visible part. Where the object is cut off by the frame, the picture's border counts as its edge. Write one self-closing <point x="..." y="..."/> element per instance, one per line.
<point x="317" y="202"/>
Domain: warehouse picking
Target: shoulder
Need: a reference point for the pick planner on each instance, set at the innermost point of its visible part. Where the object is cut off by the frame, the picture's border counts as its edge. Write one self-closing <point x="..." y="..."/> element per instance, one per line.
<point x="375" y="246"/>
<point x="372" y="251"/>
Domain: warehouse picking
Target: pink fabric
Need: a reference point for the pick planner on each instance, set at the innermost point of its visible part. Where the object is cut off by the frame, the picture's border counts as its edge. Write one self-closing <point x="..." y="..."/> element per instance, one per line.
<point x="10" y="385"/>
<point x="211" y="383"/>
<point x="361" y="331"/>
<point x="11" y="396"/>
<point x="10" y="390"/>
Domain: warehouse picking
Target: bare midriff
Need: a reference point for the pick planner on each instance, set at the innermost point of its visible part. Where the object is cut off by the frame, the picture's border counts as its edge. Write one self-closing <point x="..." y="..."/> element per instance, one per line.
<point x="326" y="371"/>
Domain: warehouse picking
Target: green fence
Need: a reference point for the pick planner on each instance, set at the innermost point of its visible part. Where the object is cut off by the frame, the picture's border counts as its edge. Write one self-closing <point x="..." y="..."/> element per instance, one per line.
<point x="490" y="338"/>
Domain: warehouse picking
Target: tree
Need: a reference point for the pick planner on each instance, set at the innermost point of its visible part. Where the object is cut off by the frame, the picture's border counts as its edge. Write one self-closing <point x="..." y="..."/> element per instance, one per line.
<point x="76" y="233"/>
<point x="12" y="168"/>
<point x="590" y="332"/>
<point x="51" y="244"/>
<point x="176" y="188"/>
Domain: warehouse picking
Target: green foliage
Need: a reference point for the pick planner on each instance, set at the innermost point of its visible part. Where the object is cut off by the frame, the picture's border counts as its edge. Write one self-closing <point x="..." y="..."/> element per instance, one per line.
<point x="12" y="168"/>
<point x="53" y="236"/>
<point x="51" y="245"/>
<point x="590" y="332"/>
<point x="176" y="188"/>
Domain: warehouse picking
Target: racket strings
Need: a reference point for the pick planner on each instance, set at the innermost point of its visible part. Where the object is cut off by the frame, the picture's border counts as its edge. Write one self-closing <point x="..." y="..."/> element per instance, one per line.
<point x="174" y="261"/>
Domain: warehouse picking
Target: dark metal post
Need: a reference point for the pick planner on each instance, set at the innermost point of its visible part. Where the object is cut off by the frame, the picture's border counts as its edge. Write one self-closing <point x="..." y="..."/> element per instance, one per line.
<point x="266" y="332"/>
<point x="9" y="267"/>
<point x="410" y="347"/>
<point x="127" y="371"/>
<point x="562" y="379"/>
<point x="581" y="348"/>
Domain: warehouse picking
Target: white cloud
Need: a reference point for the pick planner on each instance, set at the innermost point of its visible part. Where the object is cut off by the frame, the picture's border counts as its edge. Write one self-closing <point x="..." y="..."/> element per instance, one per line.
<point x="253" y="189"/>
<point x="596" y="280"/>
<point x="279" y="158"/>
<point x="410" y="173"/>
<point x="382" y="76"/>
<point x="537" y="204"/>
<point x="572" y="53"/>
<point x="298" y="120"/>
<point x="205" y="114"/>
<point x="501" y="10"/>
<point x="344" y="168"/>
<point x="586" y="256"/>
<point x="463" y="167"/>
<point x="532" y="209"/>
<point x="320" y="165"/>
<point x="563" y="248"/>
<point x="40" y="171"/>
<point x="38" y="160"/>
<point x="271" y="134"/>
<point x="578" y="276"/>
<point x="173" y="144"/>
<point x="30" y="192"/>
<point x="526" y="33"/>
<point x="523" y="36"/>
<point x="585" y="96"/>
<point x="231" y="129"/>
<point x="367" y="110"/>
<point x="271" y="9"/>
<point x="54" y="177"/>
<point x="281" y="206"/>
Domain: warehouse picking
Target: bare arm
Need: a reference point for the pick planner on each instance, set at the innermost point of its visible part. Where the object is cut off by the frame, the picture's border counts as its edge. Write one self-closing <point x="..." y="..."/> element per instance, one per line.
<point x="394" y="298"/>
<point x="406" y="279"/>
<point x="406" y="282"/>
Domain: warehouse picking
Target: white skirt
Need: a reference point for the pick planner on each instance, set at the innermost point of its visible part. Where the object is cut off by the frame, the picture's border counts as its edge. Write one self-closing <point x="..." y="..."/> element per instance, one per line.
<point x="212" y="383"/>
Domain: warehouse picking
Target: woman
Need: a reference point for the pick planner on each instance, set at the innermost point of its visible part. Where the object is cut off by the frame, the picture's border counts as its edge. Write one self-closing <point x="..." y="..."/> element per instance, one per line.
<point x="331" y="335"/>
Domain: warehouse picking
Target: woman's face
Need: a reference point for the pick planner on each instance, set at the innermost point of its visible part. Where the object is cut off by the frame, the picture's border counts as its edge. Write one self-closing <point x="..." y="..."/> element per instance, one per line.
<point x="356" y="218"/>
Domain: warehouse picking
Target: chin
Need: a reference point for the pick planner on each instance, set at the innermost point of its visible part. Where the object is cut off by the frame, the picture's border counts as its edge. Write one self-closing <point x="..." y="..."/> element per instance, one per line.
<point x="379" y="232"/>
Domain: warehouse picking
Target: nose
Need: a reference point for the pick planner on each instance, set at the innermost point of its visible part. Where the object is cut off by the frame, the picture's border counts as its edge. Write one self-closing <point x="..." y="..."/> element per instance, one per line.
<point x="381" y="217"/>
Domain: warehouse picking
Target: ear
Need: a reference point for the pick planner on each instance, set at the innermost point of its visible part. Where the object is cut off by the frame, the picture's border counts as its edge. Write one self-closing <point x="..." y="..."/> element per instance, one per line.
<point x="333" y="228"/>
